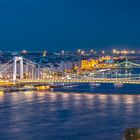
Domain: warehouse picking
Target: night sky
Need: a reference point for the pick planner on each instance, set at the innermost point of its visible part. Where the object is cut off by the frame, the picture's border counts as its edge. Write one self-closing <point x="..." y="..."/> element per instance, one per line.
<point x="69" y="24"/>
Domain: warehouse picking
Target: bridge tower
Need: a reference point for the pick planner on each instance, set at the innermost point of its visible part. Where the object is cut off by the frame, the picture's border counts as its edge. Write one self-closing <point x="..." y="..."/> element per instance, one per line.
<point x="16" y="60"/>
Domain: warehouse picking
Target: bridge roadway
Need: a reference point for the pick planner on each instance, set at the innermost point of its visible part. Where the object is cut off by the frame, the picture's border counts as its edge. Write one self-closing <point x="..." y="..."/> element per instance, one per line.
<point x="95" y="80"/>
<point x="6" y="83"/>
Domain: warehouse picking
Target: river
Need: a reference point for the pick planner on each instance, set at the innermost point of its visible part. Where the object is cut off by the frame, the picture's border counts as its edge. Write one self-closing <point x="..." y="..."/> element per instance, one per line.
<point x="64" y="115"/>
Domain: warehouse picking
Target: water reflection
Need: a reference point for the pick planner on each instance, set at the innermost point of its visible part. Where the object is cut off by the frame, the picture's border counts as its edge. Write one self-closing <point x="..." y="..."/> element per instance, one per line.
<point x="1" y="96"/>
<point x="75" y="99"/>
<point x="29" y="96"/>
<point x="46" y="114"/>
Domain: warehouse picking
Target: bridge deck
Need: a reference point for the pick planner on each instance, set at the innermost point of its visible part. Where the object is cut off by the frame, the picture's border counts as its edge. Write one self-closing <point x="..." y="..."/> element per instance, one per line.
<point x="97" y="80"/>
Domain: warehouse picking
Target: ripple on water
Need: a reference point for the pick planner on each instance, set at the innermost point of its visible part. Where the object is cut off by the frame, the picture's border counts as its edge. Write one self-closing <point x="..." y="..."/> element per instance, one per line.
<point x="48" y="115"/>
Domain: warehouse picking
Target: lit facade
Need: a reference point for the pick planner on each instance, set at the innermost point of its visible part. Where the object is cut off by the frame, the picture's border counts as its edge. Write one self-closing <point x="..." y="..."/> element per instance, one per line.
<point x="89" y="64"/>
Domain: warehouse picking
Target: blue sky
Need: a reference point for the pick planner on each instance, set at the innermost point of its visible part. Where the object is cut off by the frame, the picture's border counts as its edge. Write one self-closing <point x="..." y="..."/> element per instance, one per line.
<point x="69" y="24"/>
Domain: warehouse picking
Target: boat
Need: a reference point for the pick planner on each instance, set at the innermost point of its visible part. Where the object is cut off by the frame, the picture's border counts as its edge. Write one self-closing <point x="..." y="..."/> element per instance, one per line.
<point x="118" y="85"/>
<point x="95" y="84"/>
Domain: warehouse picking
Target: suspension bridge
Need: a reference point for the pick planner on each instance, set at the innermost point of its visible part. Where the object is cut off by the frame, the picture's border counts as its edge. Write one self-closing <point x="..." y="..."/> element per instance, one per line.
<point x="21" y="71"/>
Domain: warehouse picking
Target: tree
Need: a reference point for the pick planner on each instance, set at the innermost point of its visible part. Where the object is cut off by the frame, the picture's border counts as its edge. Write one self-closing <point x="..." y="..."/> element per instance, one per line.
<point x="132" y="134"/>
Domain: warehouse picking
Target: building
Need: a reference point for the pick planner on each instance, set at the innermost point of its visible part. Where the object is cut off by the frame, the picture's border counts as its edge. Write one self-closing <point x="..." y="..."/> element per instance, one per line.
<point x="89" y="64"/>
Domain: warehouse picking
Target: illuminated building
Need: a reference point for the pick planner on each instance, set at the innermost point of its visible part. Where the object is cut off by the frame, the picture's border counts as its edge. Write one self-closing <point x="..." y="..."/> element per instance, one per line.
<point x="124" y="52"/>
<point x="88" y="64"/>
<point x="104" y="58"/>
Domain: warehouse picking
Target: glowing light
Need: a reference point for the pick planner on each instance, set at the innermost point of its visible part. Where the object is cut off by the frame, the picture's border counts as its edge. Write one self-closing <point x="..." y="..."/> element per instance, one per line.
<point x="78" y="50"/>
<point x="114" y="50"/>
<point x="82" y="52"/>
<point x="24" y="51"/>
<point x="91" y="51"/>
<point x="103" y="52"/>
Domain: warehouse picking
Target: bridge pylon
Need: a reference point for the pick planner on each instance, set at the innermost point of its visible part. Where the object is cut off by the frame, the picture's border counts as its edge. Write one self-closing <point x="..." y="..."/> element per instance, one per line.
<point x="16" y="60"/>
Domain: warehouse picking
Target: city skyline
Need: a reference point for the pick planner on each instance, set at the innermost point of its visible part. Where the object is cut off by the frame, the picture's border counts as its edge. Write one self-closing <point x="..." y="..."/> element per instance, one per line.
<point x="69" y="69"/>
<point x="69" y="25"/>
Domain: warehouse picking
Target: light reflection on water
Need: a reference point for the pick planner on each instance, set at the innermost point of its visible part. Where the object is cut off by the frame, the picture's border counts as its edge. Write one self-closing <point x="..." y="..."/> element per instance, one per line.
<point x="1" y="96"/>
<point x="70" y="116"/>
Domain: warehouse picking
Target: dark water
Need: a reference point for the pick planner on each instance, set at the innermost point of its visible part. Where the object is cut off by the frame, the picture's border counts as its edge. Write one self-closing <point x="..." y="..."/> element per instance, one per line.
<point x="67" y="115"/>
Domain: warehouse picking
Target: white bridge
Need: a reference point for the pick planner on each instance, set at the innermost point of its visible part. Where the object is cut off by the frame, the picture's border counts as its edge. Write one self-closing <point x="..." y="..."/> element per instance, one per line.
<point x="23" y="71"/>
